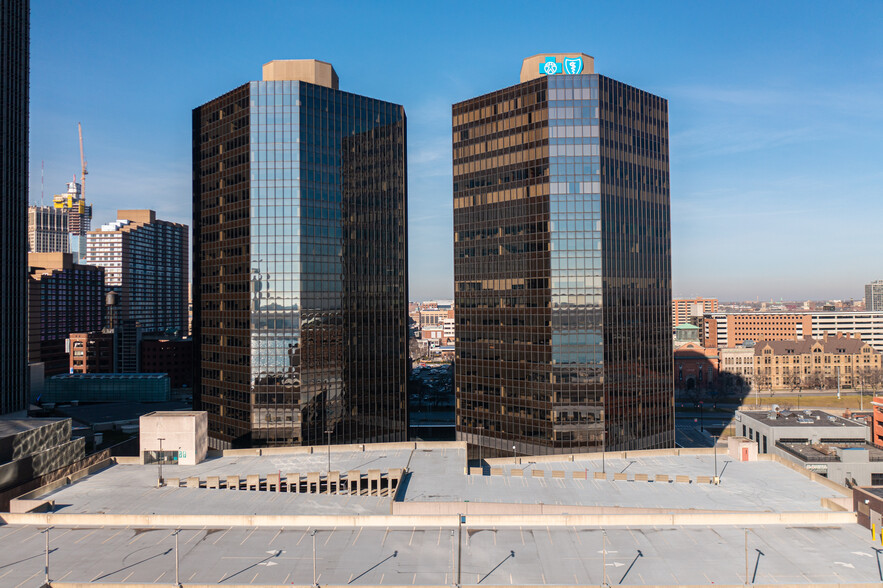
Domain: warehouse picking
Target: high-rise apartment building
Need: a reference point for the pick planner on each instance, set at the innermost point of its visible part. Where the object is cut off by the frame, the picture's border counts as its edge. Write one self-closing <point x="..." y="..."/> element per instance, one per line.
<point x="63" y="297"/>
<point x="146" y="261"/>
<point x="562" y="264"/>
<point x="688" y="310"/>
<point x="14" y="63"/>
<point x="300" y="300"/>
<point x="874" y="296"/>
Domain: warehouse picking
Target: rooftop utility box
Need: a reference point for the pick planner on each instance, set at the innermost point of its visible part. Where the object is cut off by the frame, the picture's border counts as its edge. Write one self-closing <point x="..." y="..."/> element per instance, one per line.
<point x="174" y="437"/>
<point x="742" y="449"/>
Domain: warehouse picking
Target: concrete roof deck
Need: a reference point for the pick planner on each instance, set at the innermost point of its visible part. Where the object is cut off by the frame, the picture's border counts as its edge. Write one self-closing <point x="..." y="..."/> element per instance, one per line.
<point x="130" y="489"/>
<point x="820" y="419"/>
<point x="646" y="555"/>
<point x="401" y="550"/>
<point x="755" y="486"/>
<point x="437" y="475"/>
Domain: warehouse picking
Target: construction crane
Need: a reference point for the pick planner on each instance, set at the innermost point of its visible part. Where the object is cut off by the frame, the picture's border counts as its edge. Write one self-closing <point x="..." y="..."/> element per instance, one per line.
<point x="83" y="171"/>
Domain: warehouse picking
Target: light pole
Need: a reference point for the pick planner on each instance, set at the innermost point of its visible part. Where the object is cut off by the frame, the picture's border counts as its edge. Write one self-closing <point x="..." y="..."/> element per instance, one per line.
<point x="328" y="432"/>
<point x="46" y="568"/>
<point x="159" y="482"/>
<point x="837" y="369"/>
<point x="480" y="431"/>
<point x="514" y="457"/>
<point x="746" y="556"/>
<point x="313" y="535"/>
<point x="604" y="451"/>
<point x="604" y="558"/>
<point x="715" y="438"/>
<point x="177" y="582"/>
<point x="453" y="559"/>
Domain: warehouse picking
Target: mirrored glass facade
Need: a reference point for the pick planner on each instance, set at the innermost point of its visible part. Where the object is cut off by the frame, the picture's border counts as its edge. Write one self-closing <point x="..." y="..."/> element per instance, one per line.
<point x="300" y="267"/>
<point x="562" y="268"/>
<point x="14" y="60"/>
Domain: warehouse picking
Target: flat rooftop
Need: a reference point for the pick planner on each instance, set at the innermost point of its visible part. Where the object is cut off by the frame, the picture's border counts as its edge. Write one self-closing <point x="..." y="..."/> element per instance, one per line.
<point x="827" y="453"/>
<point x="645" y="555"/>
<point x="438" y="476"/>
<point x="801" y="418"/>
<point x="369" y="545"/>
<point x="118" y="411"/>
<point x="14" y="426"/>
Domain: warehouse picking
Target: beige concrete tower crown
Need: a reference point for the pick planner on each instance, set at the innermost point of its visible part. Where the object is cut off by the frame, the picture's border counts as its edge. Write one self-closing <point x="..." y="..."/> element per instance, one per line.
<point x="312" y="71"/>
<point x="530" y="67"/>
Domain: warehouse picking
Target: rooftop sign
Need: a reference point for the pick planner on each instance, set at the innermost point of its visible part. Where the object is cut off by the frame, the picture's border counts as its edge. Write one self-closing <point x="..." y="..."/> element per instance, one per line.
<point x="569" y="65"/>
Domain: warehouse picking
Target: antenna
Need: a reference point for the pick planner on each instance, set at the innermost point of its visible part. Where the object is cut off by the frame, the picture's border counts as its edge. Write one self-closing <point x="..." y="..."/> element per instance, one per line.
<point x="41" y="182"/>
<point x="82" y="164"/>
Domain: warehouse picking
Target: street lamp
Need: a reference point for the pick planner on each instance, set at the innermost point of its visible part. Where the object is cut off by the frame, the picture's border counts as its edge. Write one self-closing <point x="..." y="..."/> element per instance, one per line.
<point x="328" y="432"/>
<point x="514" y="457"/>
<point x="715" y="438"/>
<point x="159" y="482"/>
<point x="313" y="535"/>
<point x="480" y="431"/>
<point x="177" y="583"/>
<point x="604" y="558"/>
<point x="46" y="570"/>
<point x="604" y="451"/>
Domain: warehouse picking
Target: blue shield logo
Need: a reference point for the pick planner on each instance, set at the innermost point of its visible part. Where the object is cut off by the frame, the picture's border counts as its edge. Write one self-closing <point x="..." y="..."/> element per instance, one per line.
<point x="572" y="65"/>
<point x="551" y="67"/>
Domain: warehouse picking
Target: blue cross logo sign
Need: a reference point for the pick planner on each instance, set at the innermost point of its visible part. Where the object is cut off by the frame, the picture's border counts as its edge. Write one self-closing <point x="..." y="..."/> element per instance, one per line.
<point x="570" y="65"/>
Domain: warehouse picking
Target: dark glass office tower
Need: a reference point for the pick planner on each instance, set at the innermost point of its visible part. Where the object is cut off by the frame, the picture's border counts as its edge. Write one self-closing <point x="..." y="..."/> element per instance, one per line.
<point x="14" y="63"/>
<point x="300" y="262"/>
<point x="562" y="264"/>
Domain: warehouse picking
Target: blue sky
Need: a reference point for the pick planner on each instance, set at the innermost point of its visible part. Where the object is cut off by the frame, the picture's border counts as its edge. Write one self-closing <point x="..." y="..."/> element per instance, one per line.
<point x="776" y="112"/>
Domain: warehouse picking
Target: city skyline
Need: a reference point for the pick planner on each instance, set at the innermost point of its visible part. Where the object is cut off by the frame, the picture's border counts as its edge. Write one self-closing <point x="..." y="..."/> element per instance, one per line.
<point x="774" y="115"/>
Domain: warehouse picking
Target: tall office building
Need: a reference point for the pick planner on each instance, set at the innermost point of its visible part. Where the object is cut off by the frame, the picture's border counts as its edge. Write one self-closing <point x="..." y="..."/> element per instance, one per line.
<point x="300" y="295"/>
<point x="562" y="264"/>
<point x="146" y="261"/>
<point x="14" y="63"/>
<point x="874" y="296"/>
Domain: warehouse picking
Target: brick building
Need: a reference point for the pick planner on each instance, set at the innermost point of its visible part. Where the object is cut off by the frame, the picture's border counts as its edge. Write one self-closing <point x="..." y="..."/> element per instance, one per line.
<point x="62" y="297"/>
<point x="169" y="356"/>
<point x="685" y="310"/>
<point x="815" y="363"/>
<point x="92" y="353"/>
<point x="696" y="367"/>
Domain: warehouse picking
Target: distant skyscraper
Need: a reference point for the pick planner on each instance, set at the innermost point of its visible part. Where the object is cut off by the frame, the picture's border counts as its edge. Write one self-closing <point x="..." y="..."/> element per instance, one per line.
<point x="62" y="227"/>
<point x="562" y="264"/>
<point x="300" y="270"/>
<point x="146" y="261"/>
<point x="14" y="63"/>
<point x="63" y="298"/>
<point x="79" y="217"/>
<point x="874" y="296"/>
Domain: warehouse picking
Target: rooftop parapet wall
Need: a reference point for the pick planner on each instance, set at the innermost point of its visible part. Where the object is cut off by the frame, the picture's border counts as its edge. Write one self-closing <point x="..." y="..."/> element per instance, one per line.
<point x="478" y="521"/>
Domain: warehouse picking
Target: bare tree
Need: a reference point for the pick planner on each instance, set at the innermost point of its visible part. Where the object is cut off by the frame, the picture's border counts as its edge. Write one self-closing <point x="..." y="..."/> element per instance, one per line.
<point x="762" y="380"/>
